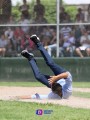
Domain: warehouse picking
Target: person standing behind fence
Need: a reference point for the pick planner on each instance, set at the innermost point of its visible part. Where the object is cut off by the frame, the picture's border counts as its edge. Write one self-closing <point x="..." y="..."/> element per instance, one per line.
<point x="79" y="16"/>
<point x="3" y="45"/>
<point x="64" y="17"/>
<point x="9" y="34"/>
<point x="39" y="10"/>
<point x="24" y="24"/>
<point x="24" y="9"/>
<point x="18" y="35"/>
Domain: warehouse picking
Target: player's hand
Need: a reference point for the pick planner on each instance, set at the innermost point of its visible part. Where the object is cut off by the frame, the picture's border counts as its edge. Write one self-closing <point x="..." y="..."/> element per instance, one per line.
<point x="52" y="79"/>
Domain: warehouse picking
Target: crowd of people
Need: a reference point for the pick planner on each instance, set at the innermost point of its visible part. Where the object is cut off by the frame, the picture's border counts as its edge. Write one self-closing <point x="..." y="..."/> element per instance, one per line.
<point x="81" y="16"/>
<point x="74" y="40"/>
<point x="38" y="15"/>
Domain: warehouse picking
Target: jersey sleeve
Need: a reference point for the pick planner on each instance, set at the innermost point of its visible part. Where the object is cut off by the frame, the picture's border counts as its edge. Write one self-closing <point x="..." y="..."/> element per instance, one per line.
<point x="69" y="78"/>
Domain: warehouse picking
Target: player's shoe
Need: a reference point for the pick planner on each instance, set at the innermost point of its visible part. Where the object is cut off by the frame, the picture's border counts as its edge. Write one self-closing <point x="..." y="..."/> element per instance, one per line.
<point x="35" y="39"/>
<point x="37" y="96"/>
<point x="27" y="55"/>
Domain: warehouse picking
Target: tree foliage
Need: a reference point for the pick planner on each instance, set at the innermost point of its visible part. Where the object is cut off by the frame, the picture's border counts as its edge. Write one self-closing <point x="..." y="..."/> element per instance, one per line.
<point x="71" y="10"/>
<point x="50" y="10"/>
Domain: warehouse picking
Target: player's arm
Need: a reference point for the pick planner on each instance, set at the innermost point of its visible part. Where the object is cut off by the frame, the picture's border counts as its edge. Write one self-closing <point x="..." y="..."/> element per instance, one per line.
<point x="35" y="96"/>
<point x="53" y="79"/>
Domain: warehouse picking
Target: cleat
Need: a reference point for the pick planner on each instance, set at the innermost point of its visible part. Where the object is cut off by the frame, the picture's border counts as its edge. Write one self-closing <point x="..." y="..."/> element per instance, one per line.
<point x="27" y="55"/>
<point x="35" y="39"/>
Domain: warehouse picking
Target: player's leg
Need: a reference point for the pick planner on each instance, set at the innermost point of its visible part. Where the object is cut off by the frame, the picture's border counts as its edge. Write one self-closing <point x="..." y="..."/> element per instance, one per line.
<point x="38" y="75"/>
<point x="49" y="61"/>
<point x="88" y="51"/>
<point x="78" y="51"/>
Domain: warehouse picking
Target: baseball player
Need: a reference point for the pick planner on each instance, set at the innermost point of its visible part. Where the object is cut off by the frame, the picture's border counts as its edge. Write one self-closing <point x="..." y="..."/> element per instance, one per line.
<point x="60" y="83"/>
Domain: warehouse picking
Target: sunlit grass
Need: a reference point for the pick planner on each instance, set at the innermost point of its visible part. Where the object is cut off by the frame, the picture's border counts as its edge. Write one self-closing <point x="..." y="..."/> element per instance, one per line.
<point x="12" y="110"/>
<point x="38" y="84"/>
<point x="82" y="94"/>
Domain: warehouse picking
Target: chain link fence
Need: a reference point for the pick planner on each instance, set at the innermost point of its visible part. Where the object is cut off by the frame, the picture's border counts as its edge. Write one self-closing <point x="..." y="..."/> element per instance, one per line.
<point x="52" y="21"/>
<point x="25" y="18"/>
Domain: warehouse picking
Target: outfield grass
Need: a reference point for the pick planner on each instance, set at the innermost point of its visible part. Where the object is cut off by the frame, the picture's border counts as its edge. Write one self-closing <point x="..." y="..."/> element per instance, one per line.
<point x="12" y="110"/>
<point x="23" y="84"/>
<point x="81" y="94"/>
<point x="38" y="84"/>
<point x="81" y="84"/>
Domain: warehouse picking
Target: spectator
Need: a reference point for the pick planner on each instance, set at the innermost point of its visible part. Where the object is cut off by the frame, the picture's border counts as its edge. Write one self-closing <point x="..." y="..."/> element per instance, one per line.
<point x="11" y="20"/>
<point x="69" y="44"/>
<point x="67" y="18"/>
<point x="88" y="28"/>
<point x="46" y="36"/>
<point x="18" y="35"/>
<point x="26" y="43"/>
<point x="9" y="34"/>
<point x="40" y="20"/>
<point x="39" y="10"/>
<point x="65" y="31"/>
<point x="24" y="24"/>
<point x="3" y="45"/>
<point x="24" y="9"/>
<point x="64" y="16"/>
<point x="87" y="14"/>
<point x="79" y="16"/>
<point x="53" y="44"/>
<point x="78" y="33"/>
<point x="85" y="44"/>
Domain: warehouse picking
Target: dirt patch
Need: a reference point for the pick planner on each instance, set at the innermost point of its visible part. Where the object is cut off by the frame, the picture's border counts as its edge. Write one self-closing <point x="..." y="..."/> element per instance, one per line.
<point x="77" y="102"/>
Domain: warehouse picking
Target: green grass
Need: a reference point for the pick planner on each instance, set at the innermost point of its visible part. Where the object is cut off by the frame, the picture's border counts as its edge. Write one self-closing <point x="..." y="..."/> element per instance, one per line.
<point x="81" y="84"/>
<point x="37" y="84"/>
<point x="81" y="94"/>
<point x="23" y="84"/>
<point x="12" y="110"/>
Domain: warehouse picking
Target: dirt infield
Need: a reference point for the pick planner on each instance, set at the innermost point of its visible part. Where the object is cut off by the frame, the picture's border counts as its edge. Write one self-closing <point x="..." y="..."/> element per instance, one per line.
<point x="77" y="102"/>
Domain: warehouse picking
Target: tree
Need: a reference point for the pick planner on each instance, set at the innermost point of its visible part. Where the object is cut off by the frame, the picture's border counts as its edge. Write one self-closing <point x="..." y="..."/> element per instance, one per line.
<point x="50" y="10"/>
